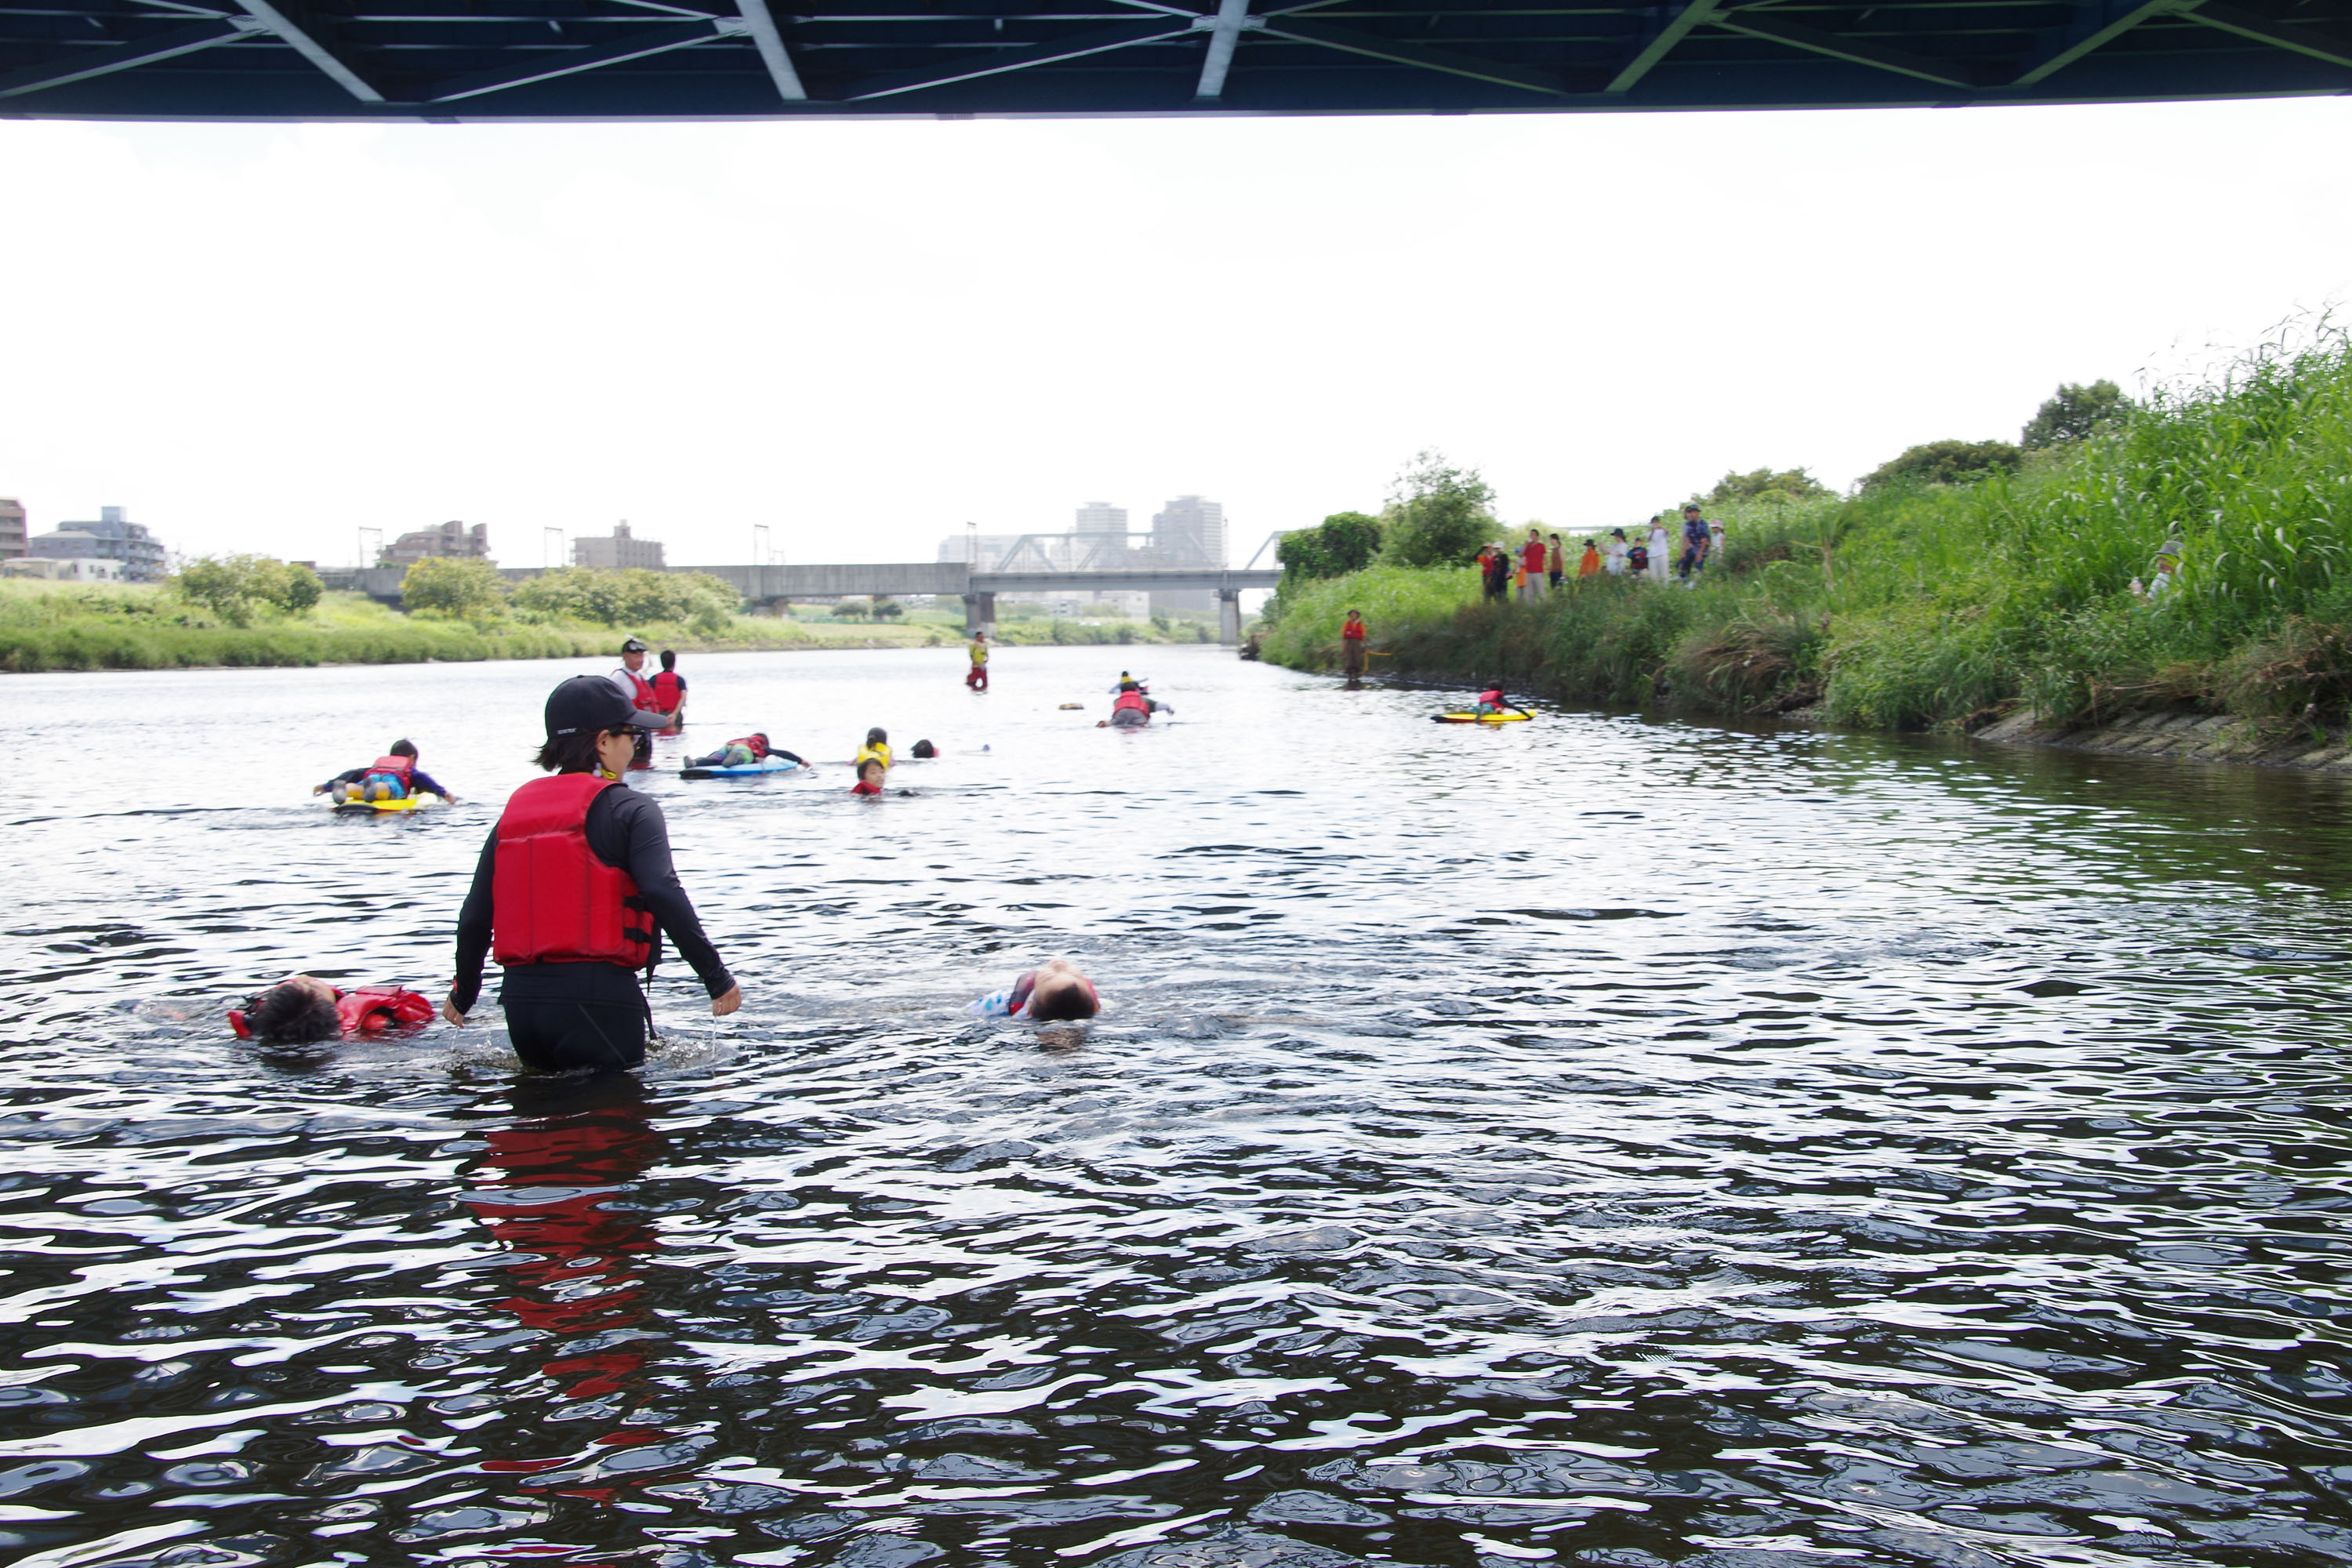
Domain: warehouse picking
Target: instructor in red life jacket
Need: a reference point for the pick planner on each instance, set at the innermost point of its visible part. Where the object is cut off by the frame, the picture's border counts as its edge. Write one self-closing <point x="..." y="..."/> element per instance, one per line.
<point x="670" y="690"/>
<point x="571" y="893"/>
<point x="631" y="681"/>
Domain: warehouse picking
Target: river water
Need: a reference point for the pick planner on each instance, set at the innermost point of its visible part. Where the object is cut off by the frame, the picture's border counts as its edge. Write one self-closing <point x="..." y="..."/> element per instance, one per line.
<point x="1593" y="1141"/>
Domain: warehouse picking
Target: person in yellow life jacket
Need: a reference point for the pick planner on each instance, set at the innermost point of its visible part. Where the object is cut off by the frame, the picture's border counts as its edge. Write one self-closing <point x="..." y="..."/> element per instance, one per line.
<point x="571" y="895"/>
<point x="876" y="747"/>
<point x="977" y="677"/>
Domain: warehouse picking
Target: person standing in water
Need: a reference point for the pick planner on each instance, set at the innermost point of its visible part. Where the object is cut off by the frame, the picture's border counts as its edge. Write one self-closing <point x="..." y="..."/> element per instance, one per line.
<point x="570" y="888"/>
<point x="669" y="690"/>
<point x="1352" y="647"/>
<point x="977" y="677"/>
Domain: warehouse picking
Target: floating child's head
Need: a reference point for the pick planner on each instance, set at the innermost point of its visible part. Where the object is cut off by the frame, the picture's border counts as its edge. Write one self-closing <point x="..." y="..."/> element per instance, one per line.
<point x="404" y="749"/>
<point x="872" y="771"/>
<point x="925" y="749"/>
<point x="300" y="1010"/>
<point x="877" y="736"/>
<point x="1058" y="992"/>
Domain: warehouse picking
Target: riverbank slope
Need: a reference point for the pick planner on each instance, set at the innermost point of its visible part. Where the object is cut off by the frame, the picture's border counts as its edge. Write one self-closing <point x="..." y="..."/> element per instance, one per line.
<point x="1956" y="606"/>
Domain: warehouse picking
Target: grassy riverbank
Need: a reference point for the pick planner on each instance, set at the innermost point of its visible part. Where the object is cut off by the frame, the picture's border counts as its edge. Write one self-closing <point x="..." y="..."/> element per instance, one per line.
<point x="72" y="626"/>
<point x="1942" y="606"/>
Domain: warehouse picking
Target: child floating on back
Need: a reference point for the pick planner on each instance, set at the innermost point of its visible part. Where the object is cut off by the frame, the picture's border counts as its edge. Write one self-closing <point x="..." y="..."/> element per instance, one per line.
<point x="1051" y="992"/>
<point x="303" y="1009"/>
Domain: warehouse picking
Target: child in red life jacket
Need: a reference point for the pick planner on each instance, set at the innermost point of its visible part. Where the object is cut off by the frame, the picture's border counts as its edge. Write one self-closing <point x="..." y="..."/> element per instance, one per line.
<point x="304" y="1009"/>
<point x="1054" y="992"/>
<point x="745" y="750"/>
<point x="392" y="776"/>
<point x="871" y="772"/>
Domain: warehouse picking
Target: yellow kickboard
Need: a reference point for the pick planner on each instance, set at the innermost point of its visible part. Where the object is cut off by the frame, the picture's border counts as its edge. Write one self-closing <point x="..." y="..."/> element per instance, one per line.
<point x="1482" y="718"/>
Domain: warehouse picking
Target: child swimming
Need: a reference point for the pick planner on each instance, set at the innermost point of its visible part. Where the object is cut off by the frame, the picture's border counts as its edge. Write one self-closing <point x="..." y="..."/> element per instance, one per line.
<point x="872" y="775"/>
<point x="1051" y="993"/>
<point x="304" y="1009"/>
<point x="877" y="745"/>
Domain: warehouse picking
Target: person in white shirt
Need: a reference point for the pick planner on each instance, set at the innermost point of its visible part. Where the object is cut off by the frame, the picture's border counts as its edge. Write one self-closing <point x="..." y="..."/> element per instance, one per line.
<point x="1660" y="549"/>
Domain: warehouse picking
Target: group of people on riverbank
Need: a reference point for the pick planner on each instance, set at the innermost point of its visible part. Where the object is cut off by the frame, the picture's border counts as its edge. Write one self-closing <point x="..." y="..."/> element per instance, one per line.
<point x="1531" y="570"/>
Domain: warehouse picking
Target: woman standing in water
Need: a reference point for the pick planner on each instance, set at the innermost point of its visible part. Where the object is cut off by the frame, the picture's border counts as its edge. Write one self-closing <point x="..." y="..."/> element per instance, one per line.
<point x="568" y="893"/>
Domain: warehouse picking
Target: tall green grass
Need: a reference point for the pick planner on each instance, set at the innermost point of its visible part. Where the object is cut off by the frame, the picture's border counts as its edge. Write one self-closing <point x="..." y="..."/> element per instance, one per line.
<point x="1942" y="606"/>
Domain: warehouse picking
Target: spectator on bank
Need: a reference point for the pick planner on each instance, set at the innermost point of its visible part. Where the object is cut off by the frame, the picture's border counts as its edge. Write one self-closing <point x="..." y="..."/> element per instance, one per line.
<point x="1497" y="567"/>
<point x="1557" y="561"/>
<point x="1534" y="566"/>
<point x="1697" y="540"/>
<point x="1612" y="552"/>
<point x="1661" y="550"/>
<point x="1590" y="564"/>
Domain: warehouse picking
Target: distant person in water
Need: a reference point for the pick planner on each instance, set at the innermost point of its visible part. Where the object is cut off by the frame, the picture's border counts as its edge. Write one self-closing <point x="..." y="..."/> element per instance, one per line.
<point x="302" y="1010"/>
<point x="392" y="776"/>
<point x="669" y="690"/>
<point x="1351" y="645"/>
<point x="1492" y="700"/>
<point x="877" y="745"/>
<point x="924" y="749"/>
<point x="744" y="750"/>
<point x="977" y="675"/>
<point x="1054" y="992"/>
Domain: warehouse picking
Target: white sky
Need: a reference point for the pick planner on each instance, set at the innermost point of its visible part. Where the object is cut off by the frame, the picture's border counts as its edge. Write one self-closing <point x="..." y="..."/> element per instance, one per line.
<point x="866" y="334"/>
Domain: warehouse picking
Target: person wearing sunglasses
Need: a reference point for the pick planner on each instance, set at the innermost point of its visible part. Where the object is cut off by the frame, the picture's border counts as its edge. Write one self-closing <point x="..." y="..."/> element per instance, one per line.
<point x="571" y="895"/>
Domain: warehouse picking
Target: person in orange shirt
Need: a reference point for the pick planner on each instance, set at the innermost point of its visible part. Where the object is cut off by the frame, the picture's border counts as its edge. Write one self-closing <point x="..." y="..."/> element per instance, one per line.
<point x="1591" y="565"/>
<point x="1533" y="558"/>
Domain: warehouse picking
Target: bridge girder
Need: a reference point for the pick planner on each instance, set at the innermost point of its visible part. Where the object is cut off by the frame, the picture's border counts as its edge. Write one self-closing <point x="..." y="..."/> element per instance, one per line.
<point x="543" y="59"/>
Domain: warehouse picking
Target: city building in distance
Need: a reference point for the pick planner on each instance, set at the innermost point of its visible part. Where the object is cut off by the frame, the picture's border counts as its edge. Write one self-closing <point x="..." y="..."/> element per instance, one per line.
<point x="620" y="550"/>
<point x="1188" y="531"/>
<point x="117" y="549"/>
<point x="12" y="529"/>
<point x="450" y="540"/>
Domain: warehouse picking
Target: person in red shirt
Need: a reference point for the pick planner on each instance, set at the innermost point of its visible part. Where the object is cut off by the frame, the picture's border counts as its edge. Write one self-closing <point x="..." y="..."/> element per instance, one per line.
<point x="1534" y="559"/>
<point x="1351" y="645"/>
<point x="303" y="1009"/>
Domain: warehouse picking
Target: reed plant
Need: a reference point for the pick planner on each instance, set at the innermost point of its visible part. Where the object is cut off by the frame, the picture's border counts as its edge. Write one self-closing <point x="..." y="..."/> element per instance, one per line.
<point x="1923" y="605"/>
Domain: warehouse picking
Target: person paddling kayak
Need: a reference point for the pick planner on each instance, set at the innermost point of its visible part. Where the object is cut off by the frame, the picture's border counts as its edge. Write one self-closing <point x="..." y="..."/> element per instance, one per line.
<point x="569" y="893"/>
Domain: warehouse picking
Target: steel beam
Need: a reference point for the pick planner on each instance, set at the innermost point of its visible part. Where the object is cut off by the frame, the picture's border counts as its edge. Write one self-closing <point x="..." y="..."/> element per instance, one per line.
<point x="1347" y="40"/>
<point x="310" y="48"/>
<point x="1660" y="44"/>
<point x="86" y="62"/>
<point x="2100" y="23"/>
<point x="1852" y="50"/>
<point x="2303" y="39"/>
<point x="571" y="62"/>
<point x="772" y="53"/>
<point x="1224" y="37"/>
<point x="1075" y="46"/>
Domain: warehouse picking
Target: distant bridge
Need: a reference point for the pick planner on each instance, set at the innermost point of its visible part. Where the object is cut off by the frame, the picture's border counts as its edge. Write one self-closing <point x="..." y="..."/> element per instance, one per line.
<point x="978" y="590"/>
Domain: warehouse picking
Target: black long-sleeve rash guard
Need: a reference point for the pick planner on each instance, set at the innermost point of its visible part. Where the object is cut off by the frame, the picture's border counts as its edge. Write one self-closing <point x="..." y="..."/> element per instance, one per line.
<point x="625" y="829"/>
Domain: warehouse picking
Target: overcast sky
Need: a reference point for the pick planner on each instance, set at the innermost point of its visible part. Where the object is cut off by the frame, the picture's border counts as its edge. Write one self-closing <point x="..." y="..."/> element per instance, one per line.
<point x="864" y="335"/>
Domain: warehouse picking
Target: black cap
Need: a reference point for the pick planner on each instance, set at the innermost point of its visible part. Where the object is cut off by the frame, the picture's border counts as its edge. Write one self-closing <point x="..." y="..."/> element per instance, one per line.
<point x="586" y="703"/>
<point x="634" y="644"/>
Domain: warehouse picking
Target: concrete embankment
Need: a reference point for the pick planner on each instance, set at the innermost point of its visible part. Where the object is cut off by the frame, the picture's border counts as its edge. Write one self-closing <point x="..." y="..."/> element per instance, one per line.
<point x="2187" y="737"/>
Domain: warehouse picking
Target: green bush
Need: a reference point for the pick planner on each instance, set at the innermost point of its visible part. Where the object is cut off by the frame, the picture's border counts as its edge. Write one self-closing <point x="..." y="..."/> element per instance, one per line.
<point x="460" y="589"/>
<point x="237" y="587"/>
<point x="631" y="596"/>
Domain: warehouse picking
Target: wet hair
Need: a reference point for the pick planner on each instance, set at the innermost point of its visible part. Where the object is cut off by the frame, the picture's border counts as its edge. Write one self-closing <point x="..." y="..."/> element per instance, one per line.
<point x="669" y="658"/>
<point x="291" y="1014"/>
<point x="925" y="749"/>
<point x="573" y="754"/>
<point x="875" y="763"/>
<point x="404" y="749"/>
<point x="1062" y="1004"/>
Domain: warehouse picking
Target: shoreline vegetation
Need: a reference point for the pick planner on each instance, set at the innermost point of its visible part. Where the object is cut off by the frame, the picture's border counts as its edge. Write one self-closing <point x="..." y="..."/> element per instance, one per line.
<point x="2189" y="556"/>
<point x="249" y="611"/>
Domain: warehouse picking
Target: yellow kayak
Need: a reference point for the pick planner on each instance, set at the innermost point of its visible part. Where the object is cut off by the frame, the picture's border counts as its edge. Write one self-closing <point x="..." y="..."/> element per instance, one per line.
<point x="406" y="802"/>
<point x="1481" y="718"/>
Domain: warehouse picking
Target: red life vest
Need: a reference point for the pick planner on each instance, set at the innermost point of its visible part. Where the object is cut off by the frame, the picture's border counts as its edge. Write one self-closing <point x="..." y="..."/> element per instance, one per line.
<point x="372" y="1009"/>
<point x="1353" y="631"/>
<point x="758" y="747"/>
<point x="1132" y="701"/>
<point x="644" y="698"/>
<point x="668" y="694"/>
<point x="398" y="767"/>
<point x="551" y="900"/>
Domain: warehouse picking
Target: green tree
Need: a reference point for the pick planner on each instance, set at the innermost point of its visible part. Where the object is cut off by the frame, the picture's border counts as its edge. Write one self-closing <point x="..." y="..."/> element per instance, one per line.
<point x="1342" y="542"/>
<point x="460" y="589"/>
<point x="852" y="610"/>
<point x="1946" y="463"/>
<point x="1764" y="484"/>
<point x="2072" y="413"/>
<point x="235" y="587"/>
<point x="1438" y="514"/>
<point x="886" y="608"/>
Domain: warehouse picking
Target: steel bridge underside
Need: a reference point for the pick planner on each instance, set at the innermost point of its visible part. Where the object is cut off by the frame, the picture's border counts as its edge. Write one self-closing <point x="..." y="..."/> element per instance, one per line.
<point x="447" y="60"/>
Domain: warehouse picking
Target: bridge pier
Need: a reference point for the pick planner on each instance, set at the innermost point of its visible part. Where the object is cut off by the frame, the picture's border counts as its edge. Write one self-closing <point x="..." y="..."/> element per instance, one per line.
<point x="1229" y="616"/>
<point x="980" y="612"/>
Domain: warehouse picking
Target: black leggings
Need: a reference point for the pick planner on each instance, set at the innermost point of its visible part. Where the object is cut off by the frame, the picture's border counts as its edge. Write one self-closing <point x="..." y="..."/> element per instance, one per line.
<point x="553" y="1034"/>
